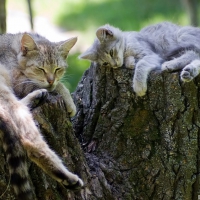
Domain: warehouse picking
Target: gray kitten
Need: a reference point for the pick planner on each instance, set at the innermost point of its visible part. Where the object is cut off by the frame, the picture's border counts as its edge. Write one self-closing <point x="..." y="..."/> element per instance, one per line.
<point x="145" y="50"/>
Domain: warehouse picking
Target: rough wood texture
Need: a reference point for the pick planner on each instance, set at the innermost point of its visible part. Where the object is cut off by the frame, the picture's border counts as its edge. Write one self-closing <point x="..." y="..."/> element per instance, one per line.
<point x="139" y="148"/>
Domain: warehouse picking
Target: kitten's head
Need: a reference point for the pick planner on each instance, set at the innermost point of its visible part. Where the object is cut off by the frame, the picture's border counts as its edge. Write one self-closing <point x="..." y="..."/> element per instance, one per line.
<point x="42" y="62"/>
<point x="108" y="47"/>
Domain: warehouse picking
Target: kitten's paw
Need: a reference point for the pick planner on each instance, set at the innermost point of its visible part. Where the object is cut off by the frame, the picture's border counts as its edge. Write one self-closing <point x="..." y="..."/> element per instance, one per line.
<point x="75" y="184"/>
<point x="188" y="73"/>
<point x="129" y="62"/>
<point x="140" y="88"/>
<point x="168" y="66"/>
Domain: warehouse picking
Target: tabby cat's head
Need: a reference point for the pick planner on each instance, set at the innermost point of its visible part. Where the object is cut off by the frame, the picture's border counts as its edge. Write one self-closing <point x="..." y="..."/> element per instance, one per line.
<point x="42" y="62"/>
<point x="108" y="48"/>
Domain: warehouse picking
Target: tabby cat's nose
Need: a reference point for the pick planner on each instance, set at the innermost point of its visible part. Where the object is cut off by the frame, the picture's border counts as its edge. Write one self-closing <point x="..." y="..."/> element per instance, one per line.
<point x="50" y="79"/>
<point x="50" y="82"/>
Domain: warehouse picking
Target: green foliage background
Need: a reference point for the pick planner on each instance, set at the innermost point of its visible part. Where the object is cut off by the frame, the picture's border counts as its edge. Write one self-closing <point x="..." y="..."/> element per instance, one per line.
<point x="85" y="16"/>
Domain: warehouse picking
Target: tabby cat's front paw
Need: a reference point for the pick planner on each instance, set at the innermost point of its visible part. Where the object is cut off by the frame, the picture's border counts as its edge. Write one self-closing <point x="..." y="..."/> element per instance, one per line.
<point x="140" y="88"/>
<point x="188" y="73"/>
<point x="71" y="108"/>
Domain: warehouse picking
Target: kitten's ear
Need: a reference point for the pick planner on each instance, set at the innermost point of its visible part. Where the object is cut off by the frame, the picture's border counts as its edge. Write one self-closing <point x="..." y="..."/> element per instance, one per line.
<point x="89" y="55"/>
<point x="104" y="33"/>
<point x="66" y="46"/>
<point x="27" y="44"/>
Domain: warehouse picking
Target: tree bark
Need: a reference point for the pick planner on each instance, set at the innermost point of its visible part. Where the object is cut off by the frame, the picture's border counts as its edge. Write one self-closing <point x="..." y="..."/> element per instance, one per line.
<point x="139" y="148"/>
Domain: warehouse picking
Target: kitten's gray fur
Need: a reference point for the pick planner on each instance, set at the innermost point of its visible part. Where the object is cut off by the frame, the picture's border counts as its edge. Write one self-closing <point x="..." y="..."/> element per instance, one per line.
<point x="145" y="50"/>
<point x="29" y="62"/>
<point x="187" y="59"/>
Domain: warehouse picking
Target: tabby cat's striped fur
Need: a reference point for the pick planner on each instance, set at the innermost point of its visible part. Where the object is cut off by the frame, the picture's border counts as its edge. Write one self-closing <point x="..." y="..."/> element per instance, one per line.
<point x="30" y="64"/>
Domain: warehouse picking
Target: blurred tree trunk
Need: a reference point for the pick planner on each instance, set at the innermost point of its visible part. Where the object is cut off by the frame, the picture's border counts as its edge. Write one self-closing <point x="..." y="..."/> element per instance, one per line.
<point x="139" y="148"/>
<point x="2" y="16"/>
<point x="30" y="10"/>
<point x="192" y="10"/>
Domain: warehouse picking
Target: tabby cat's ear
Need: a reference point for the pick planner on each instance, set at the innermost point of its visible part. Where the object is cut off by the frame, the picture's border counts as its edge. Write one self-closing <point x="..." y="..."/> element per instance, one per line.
<point x="104" y="34"/>
<point x="89" y="55"/>
<point x="27" y="44"/>
<point x="66" y="46"/>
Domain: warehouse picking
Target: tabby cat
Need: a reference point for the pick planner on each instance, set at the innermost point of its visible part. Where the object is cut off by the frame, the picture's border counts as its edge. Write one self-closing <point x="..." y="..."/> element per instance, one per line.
<point x="146" y="50"/>
<point x="31" y="65"/>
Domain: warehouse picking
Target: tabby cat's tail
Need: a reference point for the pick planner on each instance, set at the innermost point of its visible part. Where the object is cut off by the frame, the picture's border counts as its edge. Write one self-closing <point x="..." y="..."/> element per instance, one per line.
<point x="16" y="159"/>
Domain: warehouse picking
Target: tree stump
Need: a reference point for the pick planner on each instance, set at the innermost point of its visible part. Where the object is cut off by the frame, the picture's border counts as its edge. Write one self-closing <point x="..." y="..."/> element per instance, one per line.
<point x="139" y="147"/>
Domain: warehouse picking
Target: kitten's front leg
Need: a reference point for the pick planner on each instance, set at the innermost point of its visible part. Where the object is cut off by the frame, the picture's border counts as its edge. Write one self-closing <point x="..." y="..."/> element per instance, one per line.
<point x="172" y="65"/>
<point x="190" y="71"/>
<point x="142" y="70"/>
<point x="64" y="92"/>
<point x="129" y="62"/>
<point x="180" y="62"/>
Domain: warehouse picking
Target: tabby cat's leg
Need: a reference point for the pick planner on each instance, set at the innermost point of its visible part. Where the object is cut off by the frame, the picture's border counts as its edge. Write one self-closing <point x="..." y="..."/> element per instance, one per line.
<point x="64" y="92"/>
<point x="35" y="98"/>
<point x="181" y="61"/>
<point x="190" y="71"/>
<point x="39" y="152"/>
<point x="142" y="70"/>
